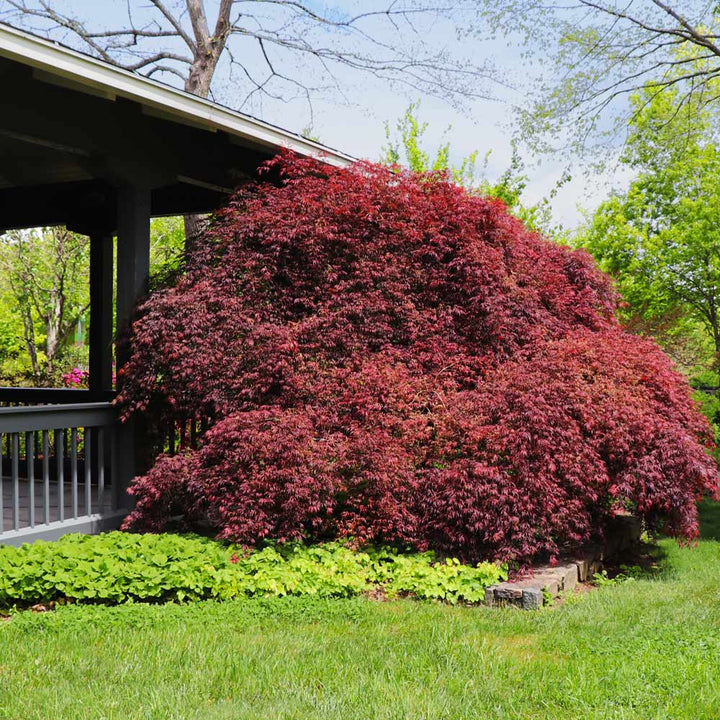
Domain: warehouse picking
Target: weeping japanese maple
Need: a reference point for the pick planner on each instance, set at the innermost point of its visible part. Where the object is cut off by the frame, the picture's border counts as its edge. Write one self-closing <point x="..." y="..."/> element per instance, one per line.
<point x="388" y="357"/>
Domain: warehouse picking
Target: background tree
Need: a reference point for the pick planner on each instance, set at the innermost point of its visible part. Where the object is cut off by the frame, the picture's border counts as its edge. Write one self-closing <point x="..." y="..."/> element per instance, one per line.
<point x="591" y="55"/>
<point x="405" y="147"/>
<point x="46" y="273"/>
<point x="45" y="270"/>
<point x="277" y="48"/>
<point x="12" y="345"/>
<point x="660" y="238"/>
<point x="167" y="249"/>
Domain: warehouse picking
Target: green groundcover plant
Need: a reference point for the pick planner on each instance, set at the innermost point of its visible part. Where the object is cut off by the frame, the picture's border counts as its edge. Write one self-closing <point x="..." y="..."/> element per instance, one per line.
<point x="123" y="567"/>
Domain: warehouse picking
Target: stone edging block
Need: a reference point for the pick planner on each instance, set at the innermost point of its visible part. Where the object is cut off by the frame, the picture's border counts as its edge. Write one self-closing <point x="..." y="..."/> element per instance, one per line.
<point x="550" y="580"/>
<point x="546" y="580"/>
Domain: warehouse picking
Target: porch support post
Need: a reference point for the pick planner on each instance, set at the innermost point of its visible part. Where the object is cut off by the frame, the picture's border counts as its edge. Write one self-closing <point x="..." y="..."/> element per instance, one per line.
<point x="133" y="270"/>
<point x="133" y="256"/>
<point x="101" y="312"/>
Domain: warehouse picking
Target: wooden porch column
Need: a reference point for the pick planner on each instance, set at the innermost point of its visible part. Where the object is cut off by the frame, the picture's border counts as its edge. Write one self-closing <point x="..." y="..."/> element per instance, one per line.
<point x="133" y="270"/>
<point x="133" y="256"/>
<point x="101" y="312"/>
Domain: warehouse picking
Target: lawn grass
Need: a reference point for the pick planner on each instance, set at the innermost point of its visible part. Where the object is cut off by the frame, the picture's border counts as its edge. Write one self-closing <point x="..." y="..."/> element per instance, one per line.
<point x="644" y="649"/>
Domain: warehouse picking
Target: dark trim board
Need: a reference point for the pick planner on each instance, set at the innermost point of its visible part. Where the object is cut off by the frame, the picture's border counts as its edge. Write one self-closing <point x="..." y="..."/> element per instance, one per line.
<point x="89" y="525"/>
<point x="52" y="396"/>
<point x="51" y="417"/>
<point x="90" y="206"/>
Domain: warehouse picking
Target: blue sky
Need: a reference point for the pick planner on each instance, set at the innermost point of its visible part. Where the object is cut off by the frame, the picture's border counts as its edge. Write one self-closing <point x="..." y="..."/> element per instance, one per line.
<point x="355" y="123"/>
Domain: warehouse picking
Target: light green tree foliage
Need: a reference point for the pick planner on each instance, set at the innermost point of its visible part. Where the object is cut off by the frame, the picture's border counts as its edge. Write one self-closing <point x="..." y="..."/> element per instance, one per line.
<point x="12" y="345"/>
<point x="44" y="297"/>
<point x="660" y="238"/>
<point x="167" y="245"/>
<point x="45" y="284"/>
<point x="583" y="60"/>
<point x="11" y="333"/>
<point x="405" y="147"/>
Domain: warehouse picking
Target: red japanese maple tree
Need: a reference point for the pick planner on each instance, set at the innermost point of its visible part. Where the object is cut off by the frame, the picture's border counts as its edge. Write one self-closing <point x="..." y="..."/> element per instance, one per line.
<point x="390" y="358"/>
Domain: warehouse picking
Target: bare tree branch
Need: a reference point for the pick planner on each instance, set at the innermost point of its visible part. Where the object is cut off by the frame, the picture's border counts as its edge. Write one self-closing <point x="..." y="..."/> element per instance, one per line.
<point x="609" y="50"/>
<point x="174" y="22"/>
<point x="382" y="41"/>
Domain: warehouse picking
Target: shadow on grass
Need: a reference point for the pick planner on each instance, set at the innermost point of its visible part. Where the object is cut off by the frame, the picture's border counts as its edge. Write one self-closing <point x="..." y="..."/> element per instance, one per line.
<point x="650" y="560"/>
<point x="709" y="520"/>
<point x="644" y="560"/>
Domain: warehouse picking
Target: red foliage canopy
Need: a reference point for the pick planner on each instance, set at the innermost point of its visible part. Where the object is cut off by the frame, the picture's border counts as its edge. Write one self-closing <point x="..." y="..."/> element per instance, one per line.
<point x="391" y="358"/>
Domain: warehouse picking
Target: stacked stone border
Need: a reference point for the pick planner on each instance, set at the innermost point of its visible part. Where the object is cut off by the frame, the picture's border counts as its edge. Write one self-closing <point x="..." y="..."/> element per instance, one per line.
<point x="546" y="582"/>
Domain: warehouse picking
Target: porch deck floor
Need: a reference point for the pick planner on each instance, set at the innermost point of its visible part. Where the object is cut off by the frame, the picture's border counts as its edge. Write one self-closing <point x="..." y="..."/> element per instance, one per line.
<point x="54" y="508"/>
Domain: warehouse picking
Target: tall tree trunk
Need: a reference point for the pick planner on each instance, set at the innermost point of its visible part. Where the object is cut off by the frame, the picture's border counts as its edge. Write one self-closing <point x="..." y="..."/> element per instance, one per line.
<point x="29" y="333"/>
<point x="53" y="329"/>
<point x="205" y="60"/>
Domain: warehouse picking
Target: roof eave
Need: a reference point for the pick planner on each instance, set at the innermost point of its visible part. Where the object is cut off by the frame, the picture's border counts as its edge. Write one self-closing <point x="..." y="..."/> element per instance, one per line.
<point x="97" y="75"/>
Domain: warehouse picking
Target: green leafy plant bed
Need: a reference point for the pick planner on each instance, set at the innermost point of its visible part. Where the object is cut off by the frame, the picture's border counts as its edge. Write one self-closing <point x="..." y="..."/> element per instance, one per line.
<point x="123" y="567"/>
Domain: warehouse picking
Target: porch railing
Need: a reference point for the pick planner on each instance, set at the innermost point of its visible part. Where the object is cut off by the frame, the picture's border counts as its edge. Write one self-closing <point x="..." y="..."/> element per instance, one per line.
<point x="56" y="468"/>
<point x="174" y="437"/>
<point x="21" y="396"/>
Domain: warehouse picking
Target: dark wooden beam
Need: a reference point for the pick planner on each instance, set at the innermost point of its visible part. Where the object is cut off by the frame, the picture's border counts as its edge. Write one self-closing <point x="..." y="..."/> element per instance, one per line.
<point x="133" y="255"/>
<point x="133" y="269"/>
<point x="101" y="312"/>
<point x="81" y="205"/>
<point x="89" y="205"/>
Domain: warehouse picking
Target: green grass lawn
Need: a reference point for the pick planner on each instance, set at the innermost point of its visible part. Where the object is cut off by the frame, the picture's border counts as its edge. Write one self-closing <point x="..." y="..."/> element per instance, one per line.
<point x="643" y="649"/>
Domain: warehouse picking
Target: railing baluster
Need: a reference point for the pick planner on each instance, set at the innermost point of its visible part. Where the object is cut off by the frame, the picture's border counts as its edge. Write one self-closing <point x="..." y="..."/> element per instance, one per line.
<point x="183" y="433"/>
<point x="15" y="474"/>
<point x="113" y="471"/>
<point x="60" y="462"/>
<point x="30" y="474"/>
<point x="88" y="469"/>
<point x="101" y="468"/>
<point x="74" y="471"/>
<point x="46" y="475"/>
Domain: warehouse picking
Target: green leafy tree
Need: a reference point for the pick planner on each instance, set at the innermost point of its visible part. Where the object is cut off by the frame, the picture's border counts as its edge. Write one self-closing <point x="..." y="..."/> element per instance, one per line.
<point x="167" y="247"/>
<point x="44" y="297"/>
<point x="661" y="237"/>
<point x="11" y="334"/>
<point x="405" y="147"/>
<point x="46" y="273"/>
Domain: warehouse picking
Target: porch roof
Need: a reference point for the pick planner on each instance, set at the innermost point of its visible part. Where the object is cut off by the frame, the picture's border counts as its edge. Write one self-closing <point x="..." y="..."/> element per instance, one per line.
<point x="73" y="129"/>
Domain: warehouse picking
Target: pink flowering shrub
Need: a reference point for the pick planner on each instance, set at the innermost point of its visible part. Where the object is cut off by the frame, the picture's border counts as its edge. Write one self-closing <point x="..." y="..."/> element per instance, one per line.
<point x="76" y="378"/>
<point x="392" y="359"/>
